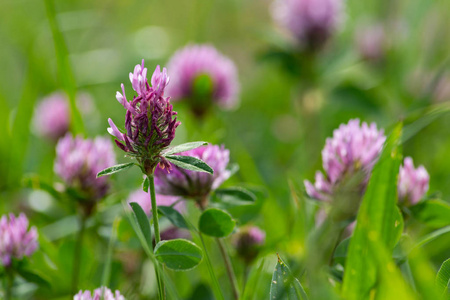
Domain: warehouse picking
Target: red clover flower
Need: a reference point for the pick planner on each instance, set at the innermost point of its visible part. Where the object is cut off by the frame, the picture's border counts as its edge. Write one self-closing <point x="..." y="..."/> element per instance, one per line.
<point x="149" y="122"/>
<point x="79" y="160"/>
<point x="311" y="22"/>
<point x="98" y="294"/>
<point x="202" y="75"/>
<point x="198" y="185"/>
<point x="413" y="183"/>
<point x="352" y="148"/>
<point x="16" y="241"/>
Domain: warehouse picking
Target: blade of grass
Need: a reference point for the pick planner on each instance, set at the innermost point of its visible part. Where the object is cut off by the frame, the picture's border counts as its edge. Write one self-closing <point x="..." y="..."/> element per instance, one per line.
<point x="375" y="222"/>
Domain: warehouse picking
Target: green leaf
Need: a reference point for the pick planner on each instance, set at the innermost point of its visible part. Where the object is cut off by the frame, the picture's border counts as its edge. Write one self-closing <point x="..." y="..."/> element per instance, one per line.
<point x="216" y="222"/>
<point x="145" y="185"/>
<point x="443" y="279"/>
<point x="115" y="169"/>
<point x="340" y="254"/>
<point x="184" y="147"/>
<point x="390" y="283"/>
<point x="143" y="222"/>
<point x="434" y="213"/>
<point x="284" y="285"/>
<point x="377" y="222"/>
<point x="432" y="236"/>
<point x="174" y="216"/>
<point x="236" y="196"/>
<point x="190" y="163"/>
<point x="178" y="254"/>
<point x="31" y="276"/>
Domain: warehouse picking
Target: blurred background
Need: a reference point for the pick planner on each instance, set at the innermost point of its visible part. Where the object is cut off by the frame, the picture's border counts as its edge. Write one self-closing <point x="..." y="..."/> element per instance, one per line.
<point x="387" y="61"/>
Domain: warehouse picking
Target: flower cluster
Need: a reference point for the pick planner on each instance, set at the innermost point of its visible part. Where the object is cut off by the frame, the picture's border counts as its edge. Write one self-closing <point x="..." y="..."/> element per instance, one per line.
<point x="312" y="22"/>
<point x="197" y="185"/>
<point x="195" y="63"/>
<point x="78" y="161"/>
<point x="149" y="122"/>
<point x="98" y="294"/>
<point x="352" y="148"/>
<point x="16" y="241"/>
<point x="412" y="183"/>
<point x="248" y="241"/>
<point x="52" y="116"/>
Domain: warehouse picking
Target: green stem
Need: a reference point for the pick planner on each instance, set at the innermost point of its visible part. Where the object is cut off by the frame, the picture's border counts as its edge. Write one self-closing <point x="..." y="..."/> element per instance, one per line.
<point x="77" y="255"/>
<point x="216" y="285"/>
<point x="9" y="281"/>
<point x="202" y="203"/>
<point x="151" y="187"/>
<point x="229" y="268"/>
<point x="245" y="277"/>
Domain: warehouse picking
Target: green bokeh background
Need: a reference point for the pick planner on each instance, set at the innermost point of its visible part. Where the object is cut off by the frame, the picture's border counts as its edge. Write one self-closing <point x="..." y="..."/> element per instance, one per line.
<point x="275" y="135"/>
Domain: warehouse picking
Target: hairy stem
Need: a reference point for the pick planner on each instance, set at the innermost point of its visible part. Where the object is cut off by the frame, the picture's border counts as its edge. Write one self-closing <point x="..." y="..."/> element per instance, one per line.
<point x="77" y="255"/>
<point x="151" y="188"/>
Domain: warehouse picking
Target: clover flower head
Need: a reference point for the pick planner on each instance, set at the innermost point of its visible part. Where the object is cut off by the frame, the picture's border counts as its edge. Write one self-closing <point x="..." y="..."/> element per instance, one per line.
<point x="16" y="241"/>
<point x="354" y="147"/>
<point x="52" y="116"/>
<point x="149" y="121"/>
<point x="413" y="183"/>
<point x="311" y="22"/>
<point x="79" y="160"/>
<point x="248" y="241"/>
<point x="185" y="183"/>
<point x="202" y="75"/>
<point x="98" y="294"/>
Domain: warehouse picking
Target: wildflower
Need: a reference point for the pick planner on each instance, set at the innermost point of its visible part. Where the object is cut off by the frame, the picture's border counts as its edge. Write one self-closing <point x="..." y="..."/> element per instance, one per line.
<point x="351" y="150"/>
<point x="98" y="294"/>
<point x="78" y="161"/>
<point x="248" y="242"/>
<point x="311" y="22"/>
<point x="149" y="123"/>
<point x="52" y="116"/>
<point x="191" y="184"/>
<point x="16" y="241"/>
<point x="202" y="76"/>
<point x="412" y="183"/>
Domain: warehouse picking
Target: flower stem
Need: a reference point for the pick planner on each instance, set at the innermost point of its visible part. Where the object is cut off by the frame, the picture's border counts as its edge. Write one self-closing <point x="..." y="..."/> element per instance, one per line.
<point x="151" y="187"/>
<point x="216" y="285"/>
<point x="202" y="203"/>
<point x="9" y="281"/>
<point x="77" y="255"/>
<point x="229" y="268"/>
